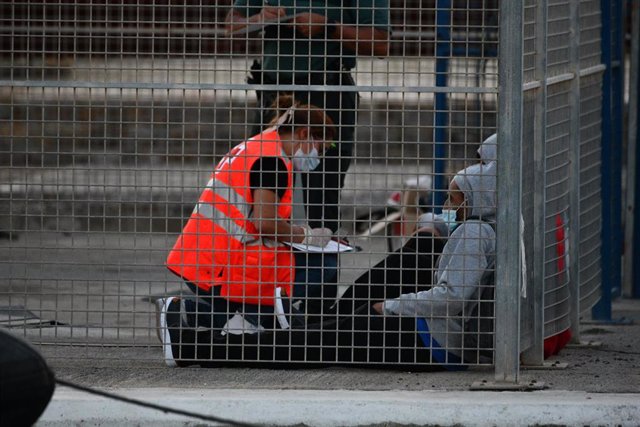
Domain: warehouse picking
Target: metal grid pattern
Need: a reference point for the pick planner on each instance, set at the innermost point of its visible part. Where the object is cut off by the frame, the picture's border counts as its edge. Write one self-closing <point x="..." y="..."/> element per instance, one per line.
<point x="557" y="122"/>
<point x="590" y="158"/>
<point x="590" y="192"/>
<point x="561" y="76"/>
<point x="558" y="34"/>
<point x="116" y="114"/>
<point x="113" y="118"/>
<point x="556" y="283"/>
<point x="529" y="40"/>
<point x="590" y="37"/>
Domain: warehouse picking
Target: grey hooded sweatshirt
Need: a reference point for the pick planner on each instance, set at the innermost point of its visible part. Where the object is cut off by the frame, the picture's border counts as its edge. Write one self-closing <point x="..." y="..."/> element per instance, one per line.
<point x="464" y="275"/>
<point x="488" y="150"/>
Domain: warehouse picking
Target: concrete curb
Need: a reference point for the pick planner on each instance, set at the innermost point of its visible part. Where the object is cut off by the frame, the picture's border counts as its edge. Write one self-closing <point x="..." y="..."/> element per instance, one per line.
<point x="346" y="408"/>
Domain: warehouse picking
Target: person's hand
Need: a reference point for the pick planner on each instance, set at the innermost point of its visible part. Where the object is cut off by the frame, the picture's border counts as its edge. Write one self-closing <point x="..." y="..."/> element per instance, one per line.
<point x="317" y="236"/>
<point x="378" y="307"/>
<point x="270" y="13"/>
<point x="341" y="240"/>
<point x="310" y="24"/>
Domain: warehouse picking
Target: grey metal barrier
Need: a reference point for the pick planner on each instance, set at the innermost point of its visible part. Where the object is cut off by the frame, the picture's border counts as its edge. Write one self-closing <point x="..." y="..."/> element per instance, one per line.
<point x="561" y="184"/>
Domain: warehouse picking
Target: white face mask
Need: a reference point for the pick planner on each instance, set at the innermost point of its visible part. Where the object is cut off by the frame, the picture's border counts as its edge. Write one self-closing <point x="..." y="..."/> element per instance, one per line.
<point x="306" y="161"/>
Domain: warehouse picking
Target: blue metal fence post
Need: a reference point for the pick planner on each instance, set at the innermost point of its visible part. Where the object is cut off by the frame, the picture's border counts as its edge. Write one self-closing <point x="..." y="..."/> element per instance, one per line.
<point x="441" y="118"/>
<point x="612" y="90"/>
<point x="617" y="109"/>
<point x="635" y="275"/>
<point x="633" y="188"/>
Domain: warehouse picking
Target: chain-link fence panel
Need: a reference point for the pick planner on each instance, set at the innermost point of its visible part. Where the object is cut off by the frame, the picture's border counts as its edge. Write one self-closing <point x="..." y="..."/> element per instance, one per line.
<point x="210" y="138"/>
<point x="141" y="136"/>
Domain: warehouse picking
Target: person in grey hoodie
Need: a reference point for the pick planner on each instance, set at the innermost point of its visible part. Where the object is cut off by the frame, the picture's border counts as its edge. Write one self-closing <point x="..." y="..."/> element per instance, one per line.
<point x="448" y="326"/>
<point x="455" y="314"/>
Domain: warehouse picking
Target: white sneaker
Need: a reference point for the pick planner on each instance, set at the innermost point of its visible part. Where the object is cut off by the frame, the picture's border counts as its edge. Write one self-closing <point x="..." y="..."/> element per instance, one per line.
<point x="164" y="334"/>
<point x="159" y="303"/>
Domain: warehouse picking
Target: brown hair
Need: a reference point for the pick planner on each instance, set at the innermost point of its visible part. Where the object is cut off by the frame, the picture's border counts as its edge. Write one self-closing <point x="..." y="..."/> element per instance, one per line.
<point x="303" y="115"/>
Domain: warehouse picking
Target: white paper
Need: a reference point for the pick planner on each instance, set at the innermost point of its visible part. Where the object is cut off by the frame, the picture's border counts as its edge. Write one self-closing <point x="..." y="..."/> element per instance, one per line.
<point x="331" y="247"/>
<point x="261" y="25"/>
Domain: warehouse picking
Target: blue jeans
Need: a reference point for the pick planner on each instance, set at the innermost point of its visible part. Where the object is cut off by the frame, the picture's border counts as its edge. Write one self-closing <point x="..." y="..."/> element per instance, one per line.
<point x="313" y="272"/>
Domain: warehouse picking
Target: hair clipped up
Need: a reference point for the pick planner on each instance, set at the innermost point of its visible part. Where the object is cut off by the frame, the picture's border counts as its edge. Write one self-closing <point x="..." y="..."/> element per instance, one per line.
<point x="295" y="115"/>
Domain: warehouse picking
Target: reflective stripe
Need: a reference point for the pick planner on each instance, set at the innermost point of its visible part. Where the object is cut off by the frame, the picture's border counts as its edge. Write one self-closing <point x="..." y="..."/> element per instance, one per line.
<point x="225" y="192"/>
<point x="229" y="194"/>
<point x="223" y="221"/>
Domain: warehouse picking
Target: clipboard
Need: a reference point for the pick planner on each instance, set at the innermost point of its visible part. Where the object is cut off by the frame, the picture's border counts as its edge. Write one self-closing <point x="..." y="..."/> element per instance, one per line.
<point x="331" y="248"/>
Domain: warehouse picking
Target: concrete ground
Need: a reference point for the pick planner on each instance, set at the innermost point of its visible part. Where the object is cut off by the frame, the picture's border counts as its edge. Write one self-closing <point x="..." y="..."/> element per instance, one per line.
<point x="607" y="362"/>
<point x="600" y="385"/>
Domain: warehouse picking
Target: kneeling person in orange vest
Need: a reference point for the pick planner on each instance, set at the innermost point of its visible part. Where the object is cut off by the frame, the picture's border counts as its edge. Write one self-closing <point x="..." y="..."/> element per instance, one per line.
<point x="232" y="252"/>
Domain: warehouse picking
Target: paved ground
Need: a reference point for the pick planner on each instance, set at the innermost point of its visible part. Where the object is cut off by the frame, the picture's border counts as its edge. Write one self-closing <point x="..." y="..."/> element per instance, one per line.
<point x="365" y="408"/>
<point x="612" y="367"/>
<point x="599" y="386"/>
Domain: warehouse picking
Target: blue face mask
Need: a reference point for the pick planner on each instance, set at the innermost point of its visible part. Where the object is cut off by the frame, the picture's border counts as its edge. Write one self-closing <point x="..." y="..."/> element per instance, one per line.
<point x="306" y="161"/>
<point x="449" y="217"/>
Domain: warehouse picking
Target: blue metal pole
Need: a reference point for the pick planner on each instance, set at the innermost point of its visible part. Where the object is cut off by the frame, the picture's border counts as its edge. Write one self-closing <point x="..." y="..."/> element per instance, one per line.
<point x="635" y="241"/>
<point x="441" y="118"/>
<point x="611" y="163"/>
<point x="635" y="276"/>
<point x="617" y="107"/>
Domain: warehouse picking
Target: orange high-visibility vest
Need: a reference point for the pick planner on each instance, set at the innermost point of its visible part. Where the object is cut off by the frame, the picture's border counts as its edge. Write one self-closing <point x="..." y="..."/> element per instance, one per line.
<point x="221" y="246"/>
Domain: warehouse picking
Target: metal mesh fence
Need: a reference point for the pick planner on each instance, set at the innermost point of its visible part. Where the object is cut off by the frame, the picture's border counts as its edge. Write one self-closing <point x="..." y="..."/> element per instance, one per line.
<point x="130" y="129"/>
<point x="528" y="321"/>
<point x="562" y="75"/>
<point x="557" y="177"/>
<point x="556" y="298"/>
<point x="590" y="198"/>
<point x="590" y="160"/>
<point x="115" y="116"/>
<point x="590" y="28"/>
